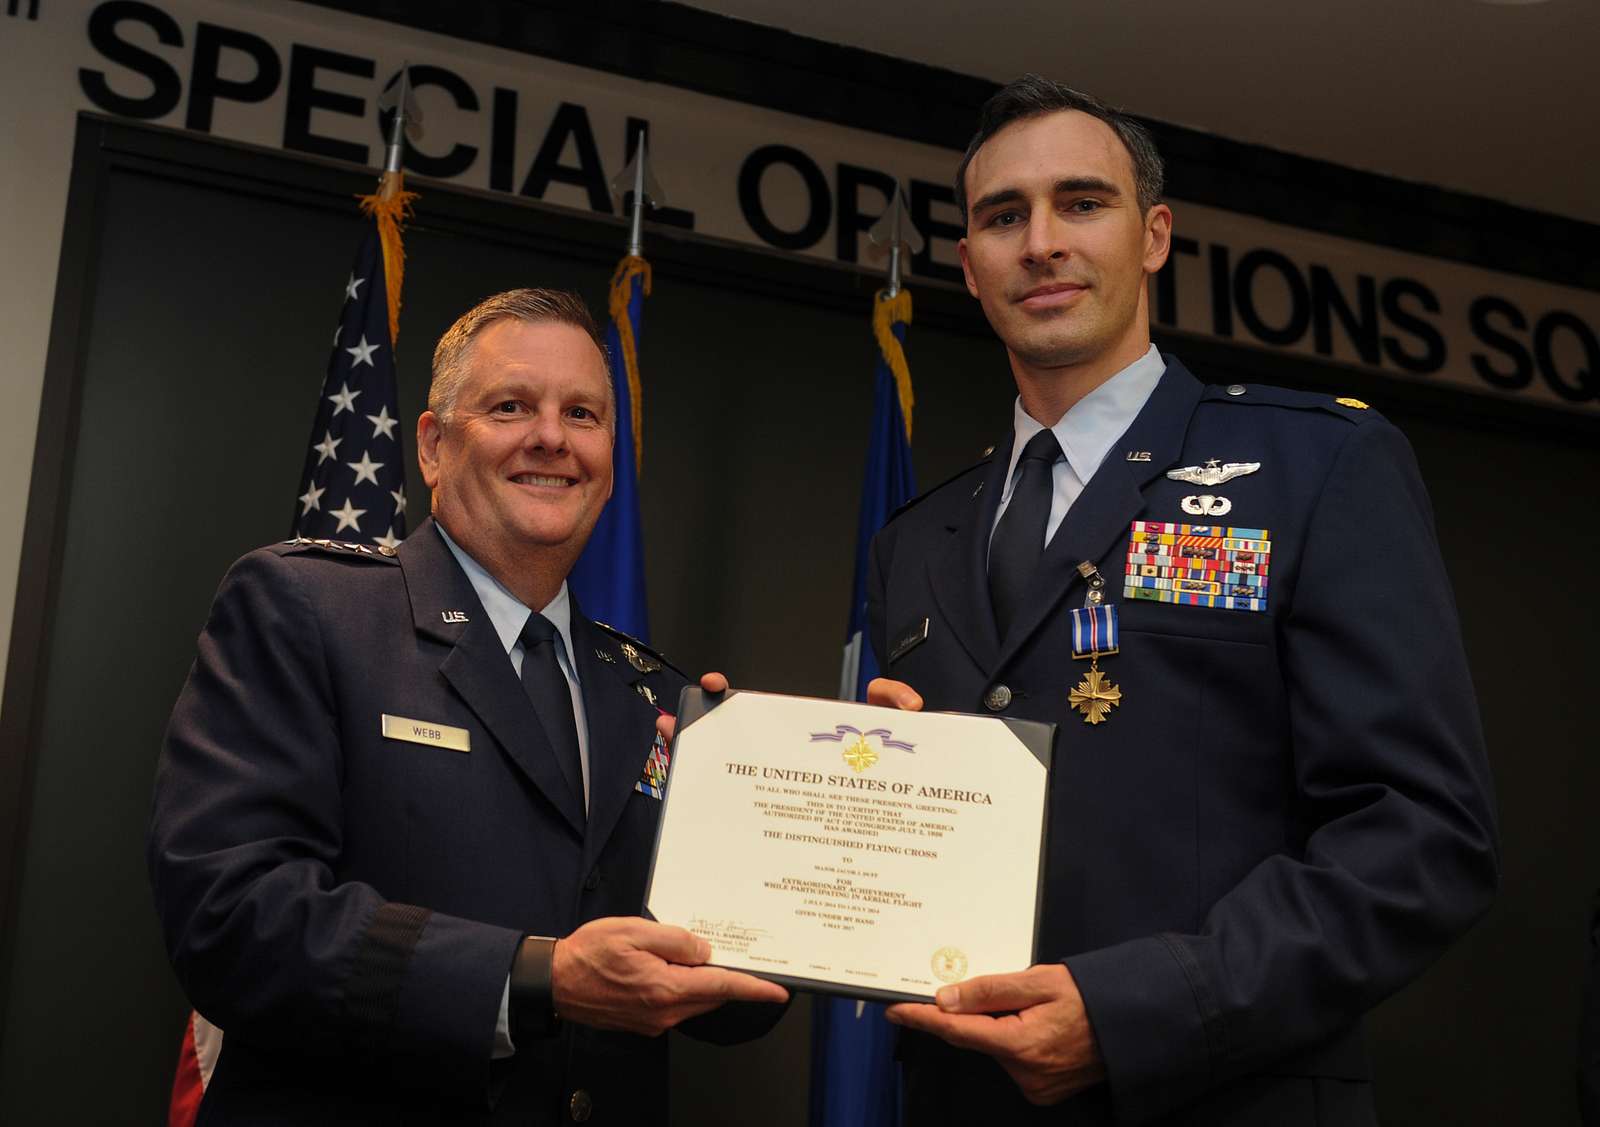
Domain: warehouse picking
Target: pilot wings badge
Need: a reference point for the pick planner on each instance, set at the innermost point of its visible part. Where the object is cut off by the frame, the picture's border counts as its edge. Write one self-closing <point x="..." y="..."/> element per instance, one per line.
<point x="1213" y="473"/>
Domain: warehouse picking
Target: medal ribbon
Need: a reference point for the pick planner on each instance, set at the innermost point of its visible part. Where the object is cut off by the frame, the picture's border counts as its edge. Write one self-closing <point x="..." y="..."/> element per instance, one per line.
<point x="1094" y="631"/>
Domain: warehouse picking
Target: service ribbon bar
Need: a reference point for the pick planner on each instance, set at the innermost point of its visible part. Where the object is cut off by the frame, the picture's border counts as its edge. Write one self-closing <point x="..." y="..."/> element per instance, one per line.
<point x="1094" y="631"/>
<point x="1198" y="565"/>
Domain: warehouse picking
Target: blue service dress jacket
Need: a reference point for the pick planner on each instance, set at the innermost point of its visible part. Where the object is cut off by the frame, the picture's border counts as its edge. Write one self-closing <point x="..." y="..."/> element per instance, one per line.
<point x="346" y="905"/>
<point x="1289" y="813"/>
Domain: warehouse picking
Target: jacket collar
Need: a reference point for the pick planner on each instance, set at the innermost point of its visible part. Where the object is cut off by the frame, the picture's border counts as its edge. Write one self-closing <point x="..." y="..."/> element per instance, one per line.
<point x="445" y="608"/>
<point x="1107" y="506"/>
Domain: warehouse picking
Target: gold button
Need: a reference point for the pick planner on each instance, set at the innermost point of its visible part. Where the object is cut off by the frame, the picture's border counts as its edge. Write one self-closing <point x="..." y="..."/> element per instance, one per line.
<point x="580" y="1106"/>
<point x="997" y="698"/>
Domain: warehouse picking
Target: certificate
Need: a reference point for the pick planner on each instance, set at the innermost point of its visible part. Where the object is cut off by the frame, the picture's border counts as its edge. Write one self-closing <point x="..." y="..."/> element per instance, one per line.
<point x="849" y="849"/>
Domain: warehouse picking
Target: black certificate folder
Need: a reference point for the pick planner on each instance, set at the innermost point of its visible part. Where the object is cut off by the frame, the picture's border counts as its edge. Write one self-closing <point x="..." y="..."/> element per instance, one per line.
<point x="843" y="848"/>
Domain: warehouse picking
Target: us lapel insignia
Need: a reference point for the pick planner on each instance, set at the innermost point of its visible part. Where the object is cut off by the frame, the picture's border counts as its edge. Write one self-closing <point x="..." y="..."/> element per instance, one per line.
<point x="453" y="615"/>
<point x="1213" y="472"/>
<point x="604" y="656"/>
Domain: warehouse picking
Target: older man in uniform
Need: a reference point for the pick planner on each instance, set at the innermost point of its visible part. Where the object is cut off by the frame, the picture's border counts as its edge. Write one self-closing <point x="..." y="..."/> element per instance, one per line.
<point x="407" y="800"/>
<point x="1270" y="806"/>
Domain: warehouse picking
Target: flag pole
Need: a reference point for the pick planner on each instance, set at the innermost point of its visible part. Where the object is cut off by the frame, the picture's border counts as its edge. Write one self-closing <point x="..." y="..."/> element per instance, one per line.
<point x="895" y="231"/>
<point x="636" y="220"/>
<point x="390" y="205"/>
<point x="853" y="1081"/>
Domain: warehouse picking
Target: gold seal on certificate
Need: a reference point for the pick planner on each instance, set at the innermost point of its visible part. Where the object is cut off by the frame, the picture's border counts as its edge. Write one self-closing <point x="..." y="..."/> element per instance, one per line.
<point x="849" y="849"/>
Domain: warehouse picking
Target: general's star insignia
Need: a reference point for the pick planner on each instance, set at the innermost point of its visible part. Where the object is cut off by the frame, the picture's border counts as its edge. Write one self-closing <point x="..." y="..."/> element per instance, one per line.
<point x="1212" y="473"/>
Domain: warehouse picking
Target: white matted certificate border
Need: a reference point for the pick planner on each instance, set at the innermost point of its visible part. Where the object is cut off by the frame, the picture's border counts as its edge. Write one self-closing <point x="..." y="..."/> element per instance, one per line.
<point x="834" y="823"/>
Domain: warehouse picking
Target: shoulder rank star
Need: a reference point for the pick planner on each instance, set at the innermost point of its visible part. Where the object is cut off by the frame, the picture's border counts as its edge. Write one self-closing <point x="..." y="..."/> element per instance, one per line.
<point x="1212" y="473"/>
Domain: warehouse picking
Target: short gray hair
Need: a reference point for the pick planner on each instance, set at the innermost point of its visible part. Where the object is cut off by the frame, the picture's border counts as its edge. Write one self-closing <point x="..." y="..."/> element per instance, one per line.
<point x="1033" y="96"/>
<point x="453" y="354"/>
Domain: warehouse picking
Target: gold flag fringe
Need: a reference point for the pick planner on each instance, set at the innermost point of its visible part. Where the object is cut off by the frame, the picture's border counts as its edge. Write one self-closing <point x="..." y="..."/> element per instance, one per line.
<point x="391" y="207"/>
<point x="630" y="267"/>
<point x="886" y="313"/>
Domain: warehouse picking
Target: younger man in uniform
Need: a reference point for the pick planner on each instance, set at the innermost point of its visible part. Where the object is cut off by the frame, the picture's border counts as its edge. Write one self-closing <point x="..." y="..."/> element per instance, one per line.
<point x="1270" y="805"/>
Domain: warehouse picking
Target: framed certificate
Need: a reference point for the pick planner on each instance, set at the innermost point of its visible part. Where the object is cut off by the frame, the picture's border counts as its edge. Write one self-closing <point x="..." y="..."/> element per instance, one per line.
<point x="844" y="848"/>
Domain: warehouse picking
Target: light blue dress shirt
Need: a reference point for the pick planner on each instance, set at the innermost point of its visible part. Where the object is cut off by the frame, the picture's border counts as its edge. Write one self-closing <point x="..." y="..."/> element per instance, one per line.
<point x="1086" y="433"/>
<point x="508" y="615"/>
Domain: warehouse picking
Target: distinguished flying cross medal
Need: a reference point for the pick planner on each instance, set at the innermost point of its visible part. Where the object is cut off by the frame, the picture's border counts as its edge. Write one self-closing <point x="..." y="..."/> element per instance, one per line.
<point x="1094" y="632"/>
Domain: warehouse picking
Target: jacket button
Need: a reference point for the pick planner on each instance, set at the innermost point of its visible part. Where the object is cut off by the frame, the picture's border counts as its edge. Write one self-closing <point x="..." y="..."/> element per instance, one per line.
<point x="1236" y="389"/>
<point x="996" y="699"/>
<point x="592" y="881"/>
<point x="580" y="1106"/>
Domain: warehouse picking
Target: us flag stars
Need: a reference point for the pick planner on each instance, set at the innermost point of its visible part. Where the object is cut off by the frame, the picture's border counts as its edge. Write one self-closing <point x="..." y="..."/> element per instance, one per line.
<point x="353" y="483"/>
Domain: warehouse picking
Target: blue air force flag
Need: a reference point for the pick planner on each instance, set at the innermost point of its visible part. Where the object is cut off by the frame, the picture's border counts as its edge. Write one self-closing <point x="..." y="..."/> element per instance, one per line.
<point x="890" y="480"/>
<point x="853" y="1078"/>
<point x="608" y="578"/>
<point x="353" y="484"/>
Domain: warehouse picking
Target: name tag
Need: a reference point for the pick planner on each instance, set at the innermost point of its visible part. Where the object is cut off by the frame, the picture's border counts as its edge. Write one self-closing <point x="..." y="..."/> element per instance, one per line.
<point x="908" y="641"/>
<point x="423" y="732"/>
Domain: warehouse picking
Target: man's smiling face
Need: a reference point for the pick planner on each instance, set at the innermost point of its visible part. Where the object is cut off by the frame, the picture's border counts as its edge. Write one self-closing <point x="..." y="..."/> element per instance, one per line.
<point x="1057" y="248"/>
<point x="523" y="463"/>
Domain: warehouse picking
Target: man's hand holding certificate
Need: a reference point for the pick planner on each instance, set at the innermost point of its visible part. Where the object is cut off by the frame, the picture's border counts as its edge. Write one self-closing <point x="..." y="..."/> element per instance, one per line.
<point x="853" y="849"/>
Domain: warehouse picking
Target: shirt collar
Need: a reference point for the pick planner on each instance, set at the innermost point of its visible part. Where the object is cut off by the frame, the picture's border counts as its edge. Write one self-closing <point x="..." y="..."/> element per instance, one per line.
<point x="507" y="613"/>
<point x="1088" y="431"/>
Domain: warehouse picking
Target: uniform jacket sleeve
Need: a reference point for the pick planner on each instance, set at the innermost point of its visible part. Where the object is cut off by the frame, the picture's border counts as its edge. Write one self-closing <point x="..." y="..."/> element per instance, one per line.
<point x="1393" y="851"/>
<point x="266" y="938"/>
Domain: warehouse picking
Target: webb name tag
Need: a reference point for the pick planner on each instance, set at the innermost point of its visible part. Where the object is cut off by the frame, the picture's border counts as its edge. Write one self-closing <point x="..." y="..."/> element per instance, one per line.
<point x="423" y="732"/>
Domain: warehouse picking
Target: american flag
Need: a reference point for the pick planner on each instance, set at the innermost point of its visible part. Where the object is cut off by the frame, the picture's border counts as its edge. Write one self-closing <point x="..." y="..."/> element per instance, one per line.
<point x="353" y="484"/>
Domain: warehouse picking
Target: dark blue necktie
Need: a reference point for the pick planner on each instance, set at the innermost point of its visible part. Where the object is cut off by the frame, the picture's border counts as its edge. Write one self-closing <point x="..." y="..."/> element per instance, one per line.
<point x="1019" y="537"/>
<point x="546" y="687"/>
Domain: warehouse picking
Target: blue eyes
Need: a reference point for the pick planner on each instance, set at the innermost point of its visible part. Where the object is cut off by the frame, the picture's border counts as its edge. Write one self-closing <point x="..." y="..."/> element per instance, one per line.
<point x="516" y="407"/>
